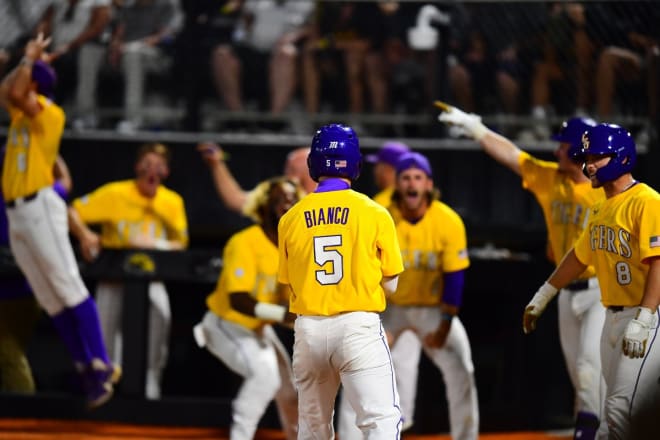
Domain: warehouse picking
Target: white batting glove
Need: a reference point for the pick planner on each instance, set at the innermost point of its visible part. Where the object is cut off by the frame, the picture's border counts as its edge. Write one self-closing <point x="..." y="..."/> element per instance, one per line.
<point x="469" y="123"/>
<point x="537" y="305"/>
<point x="637" y="333"/>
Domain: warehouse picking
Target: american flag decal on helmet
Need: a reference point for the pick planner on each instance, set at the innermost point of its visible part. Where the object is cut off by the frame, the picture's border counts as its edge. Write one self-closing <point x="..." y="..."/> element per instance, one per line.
<point x="340" y="163"/>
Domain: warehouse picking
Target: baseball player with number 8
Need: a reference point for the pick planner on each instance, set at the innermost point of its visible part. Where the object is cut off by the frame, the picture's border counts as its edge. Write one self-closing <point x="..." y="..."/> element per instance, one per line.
<point x="622" y="241"/>
<point x="339" y="252"/>
<point x="565" y="195"/>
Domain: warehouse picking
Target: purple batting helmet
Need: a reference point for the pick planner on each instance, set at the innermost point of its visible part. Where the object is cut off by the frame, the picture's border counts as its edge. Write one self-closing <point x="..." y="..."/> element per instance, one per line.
<point x="609" y="140"/>
<point x="335" y="152"/>
<point x="571" y="132"/>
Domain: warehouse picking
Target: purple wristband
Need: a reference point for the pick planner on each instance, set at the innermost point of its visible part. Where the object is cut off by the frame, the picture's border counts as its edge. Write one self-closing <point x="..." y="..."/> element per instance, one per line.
<point x="60" y="190"/>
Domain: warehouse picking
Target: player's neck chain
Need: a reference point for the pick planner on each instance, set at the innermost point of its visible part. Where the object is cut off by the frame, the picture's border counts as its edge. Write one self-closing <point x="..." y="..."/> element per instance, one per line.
<point x="630" y="185"/>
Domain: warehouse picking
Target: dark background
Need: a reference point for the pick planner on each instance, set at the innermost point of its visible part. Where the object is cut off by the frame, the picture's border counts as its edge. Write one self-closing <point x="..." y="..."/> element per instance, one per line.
<point x="522" y="382"/>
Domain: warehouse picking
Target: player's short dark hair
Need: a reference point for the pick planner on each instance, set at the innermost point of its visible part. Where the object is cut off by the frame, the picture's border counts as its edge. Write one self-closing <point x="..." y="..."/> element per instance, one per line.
<point x="154" y="147"/>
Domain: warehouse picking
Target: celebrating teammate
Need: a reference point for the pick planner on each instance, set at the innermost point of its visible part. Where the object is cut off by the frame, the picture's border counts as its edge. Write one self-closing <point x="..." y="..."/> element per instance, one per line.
<point x="339" y="253"/>
<point x="622" y="241"/>
<point x="236" y="198"/>
<point x="38" y="231"/>
<point x="565" y="196"/>
<point x="19" y="310"/>
<point x="136" y="213"/>
<point x="237" y="329"/>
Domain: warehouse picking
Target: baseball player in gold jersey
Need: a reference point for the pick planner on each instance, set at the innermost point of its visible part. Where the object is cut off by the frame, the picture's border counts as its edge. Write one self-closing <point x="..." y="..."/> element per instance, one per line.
<point x="38" y="231"/>
<point x="565" y="196"/>
<point x="237" y="329"/>
<point x="339" y="253"/>
<point x="136" y="213"/>
<point x="622" y="241"/>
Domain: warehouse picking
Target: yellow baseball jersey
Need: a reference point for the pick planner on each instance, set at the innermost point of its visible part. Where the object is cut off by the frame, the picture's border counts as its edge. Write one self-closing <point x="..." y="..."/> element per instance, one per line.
<point x="335" y="247"/>
<point x="430" y="247"/>
<point x="249" y="264"/>
<point x="622" y="232"/>
<point x="123" y="213"/>
<point x="32" y="146"/>
<point x="566" y="205"/>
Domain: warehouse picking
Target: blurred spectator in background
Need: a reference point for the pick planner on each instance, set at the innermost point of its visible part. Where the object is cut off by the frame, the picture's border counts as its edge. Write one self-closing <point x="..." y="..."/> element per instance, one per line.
<point x="138" y="213"/>
<point x="140" y="44"/>
<point x="262" y="60"/>
<point x="497" y="48"/>
<point x="566" y="58"/>
<point x="627" y="52"/>
<point x="208" y="25"/>
<point x="342" y="50"/>
<point x="18" y="20"/>
<point x="80" y="33"/>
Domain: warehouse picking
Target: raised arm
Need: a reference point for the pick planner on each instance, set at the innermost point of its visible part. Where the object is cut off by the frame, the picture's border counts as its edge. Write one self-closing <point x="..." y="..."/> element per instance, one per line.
<point x="231" y="193"/>
<point x="16" y="88"/>
<point x="496" y="146"/>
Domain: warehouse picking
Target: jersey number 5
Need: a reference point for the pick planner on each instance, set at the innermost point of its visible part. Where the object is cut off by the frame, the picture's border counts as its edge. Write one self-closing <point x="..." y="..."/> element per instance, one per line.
<point x="323" y="255"/>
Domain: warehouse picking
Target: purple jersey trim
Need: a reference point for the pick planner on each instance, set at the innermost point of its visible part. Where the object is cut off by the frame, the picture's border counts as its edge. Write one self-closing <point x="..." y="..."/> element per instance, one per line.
<point x="332" y="184"/>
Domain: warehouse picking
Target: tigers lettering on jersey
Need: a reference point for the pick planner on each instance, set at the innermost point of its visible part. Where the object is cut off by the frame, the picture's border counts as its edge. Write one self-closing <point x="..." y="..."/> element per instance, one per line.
<point x="569" y="213"/>
<point x="337" y="215"/>
<point x="617" y="241"/>
<point x="417" y="259"/>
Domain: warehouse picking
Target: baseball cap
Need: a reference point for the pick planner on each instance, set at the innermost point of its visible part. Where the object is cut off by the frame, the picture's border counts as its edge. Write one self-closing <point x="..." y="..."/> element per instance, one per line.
<point x="413" y="160"/>
<point x="388" y="153"/>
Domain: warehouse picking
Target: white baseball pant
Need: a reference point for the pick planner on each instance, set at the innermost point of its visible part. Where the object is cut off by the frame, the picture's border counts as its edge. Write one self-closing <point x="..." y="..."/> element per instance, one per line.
<point x="110" y="300"/>
<point x="39" y="239"/>
<point x="454" y="361"/>
<point x="348" y="349"/>
<point x="632" y="401"/>
<point x="263" y="363"/>
<point x="581" y="316"/>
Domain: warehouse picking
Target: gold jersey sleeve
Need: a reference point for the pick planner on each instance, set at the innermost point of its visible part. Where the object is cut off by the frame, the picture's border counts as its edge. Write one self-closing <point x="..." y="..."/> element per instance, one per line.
<point x="623" y="231"/>
<point x="123" y="213"/>
<point x="32" y="146"/>
<point x="566" y="205"/>
<point x="249" y="265"/>
<point x="335" y="247"/>
<point x="430" y="247"/>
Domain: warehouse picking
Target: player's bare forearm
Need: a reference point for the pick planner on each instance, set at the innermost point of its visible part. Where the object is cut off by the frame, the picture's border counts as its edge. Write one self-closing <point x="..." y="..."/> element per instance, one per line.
<point x="569" y="269"/>
<point x="502" y="150"/>
<point x="231" y="193"/>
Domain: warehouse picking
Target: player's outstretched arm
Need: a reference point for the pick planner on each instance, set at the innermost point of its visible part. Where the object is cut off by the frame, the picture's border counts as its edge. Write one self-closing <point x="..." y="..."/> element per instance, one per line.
<point x="496" y="146"/>
<point x="231" y="193"/>
<point x="568" y="270"/>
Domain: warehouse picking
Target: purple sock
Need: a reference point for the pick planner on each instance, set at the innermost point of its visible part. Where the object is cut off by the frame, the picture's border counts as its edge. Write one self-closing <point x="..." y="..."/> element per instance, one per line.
<point x="586" y="426"/>
<point x="67" y="327"/>
<point x="87" y="318"/>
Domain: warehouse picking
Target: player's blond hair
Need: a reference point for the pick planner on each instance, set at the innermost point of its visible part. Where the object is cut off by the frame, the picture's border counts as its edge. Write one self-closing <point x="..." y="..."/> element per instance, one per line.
<point x="257" y="199"/>
<point x="154" y="147"/>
